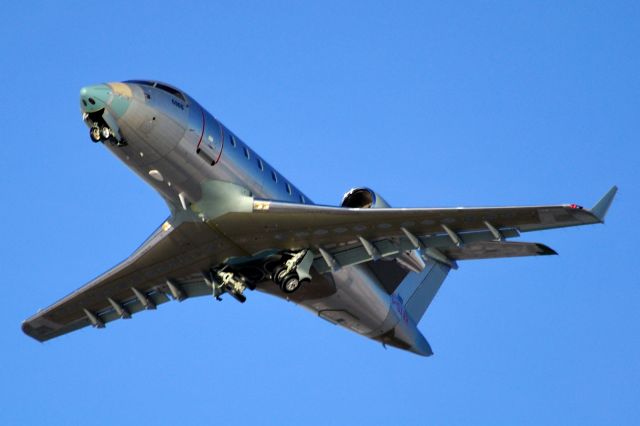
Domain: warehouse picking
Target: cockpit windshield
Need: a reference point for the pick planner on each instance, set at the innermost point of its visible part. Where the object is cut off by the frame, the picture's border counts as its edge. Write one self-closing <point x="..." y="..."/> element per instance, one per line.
<point x="172" y="90"/>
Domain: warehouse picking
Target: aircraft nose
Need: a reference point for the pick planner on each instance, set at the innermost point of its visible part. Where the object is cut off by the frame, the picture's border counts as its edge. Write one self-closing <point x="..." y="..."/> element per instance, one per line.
<point x="94" y="98"/>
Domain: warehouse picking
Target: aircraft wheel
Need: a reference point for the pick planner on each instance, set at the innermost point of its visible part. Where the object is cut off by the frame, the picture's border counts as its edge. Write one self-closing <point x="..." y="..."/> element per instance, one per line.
<point x="94" y="134"/>
<point x="278" y="274"/>
<point x="105" y="132"/>
<point x="291" y="283"/>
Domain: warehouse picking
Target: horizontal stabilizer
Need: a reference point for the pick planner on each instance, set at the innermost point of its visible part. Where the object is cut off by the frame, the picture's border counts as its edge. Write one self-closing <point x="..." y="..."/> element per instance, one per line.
<point x="601" y="207"/>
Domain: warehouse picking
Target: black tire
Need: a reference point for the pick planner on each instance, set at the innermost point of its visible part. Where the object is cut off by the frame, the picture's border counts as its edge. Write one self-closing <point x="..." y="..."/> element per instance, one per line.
<point x="94" y="134"/>
<point x="291" y="283"/>
<point x="276" y="274"/>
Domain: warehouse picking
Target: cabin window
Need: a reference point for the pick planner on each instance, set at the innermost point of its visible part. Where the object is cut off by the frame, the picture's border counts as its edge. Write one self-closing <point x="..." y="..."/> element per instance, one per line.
<point x="260" y="164"/>
<point x="274" y="176"/>
<point x="233" y="140"/>
<point x="246" y="153"/>
<point x="288" y="188"/>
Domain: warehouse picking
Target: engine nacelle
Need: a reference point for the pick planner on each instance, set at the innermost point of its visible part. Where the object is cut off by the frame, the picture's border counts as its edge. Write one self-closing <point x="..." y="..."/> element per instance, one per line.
<point x="363" y="198"/>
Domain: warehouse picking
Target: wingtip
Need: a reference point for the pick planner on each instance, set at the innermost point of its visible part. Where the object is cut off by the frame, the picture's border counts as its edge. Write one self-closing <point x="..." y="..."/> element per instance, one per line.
<point x="600" y="209"/>
<point x="28" y="330"/>
<point x="546" y="250"/>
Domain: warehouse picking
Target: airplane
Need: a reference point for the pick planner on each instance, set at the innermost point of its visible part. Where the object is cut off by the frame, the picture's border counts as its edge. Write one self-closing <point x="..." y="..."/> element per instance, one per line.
<point x="237" y="225"/>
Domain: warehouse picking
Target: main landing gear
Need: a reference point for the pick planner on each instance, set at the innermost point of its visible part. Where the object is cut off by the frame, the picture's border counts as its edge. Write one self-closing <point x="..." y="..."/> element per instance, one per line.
<point x="294" y="272"/>
<point x="289" y="270"/>
<point x="229" y="282"/>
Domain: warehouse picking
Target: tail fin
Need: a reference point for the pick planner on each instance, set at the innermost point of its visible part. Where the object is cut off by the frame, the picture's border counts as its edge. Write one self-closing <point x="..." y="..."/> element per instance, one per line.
<point x="418" y="290"/>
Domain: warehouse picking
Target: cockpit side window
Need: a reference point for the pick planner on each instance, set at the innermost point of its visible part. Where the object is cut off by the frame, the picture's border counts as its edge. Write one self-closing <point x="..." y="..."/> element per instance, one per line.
<point x="141" y="82"/>
<point x="171" y="90"/>
<point x="160" y="86"/>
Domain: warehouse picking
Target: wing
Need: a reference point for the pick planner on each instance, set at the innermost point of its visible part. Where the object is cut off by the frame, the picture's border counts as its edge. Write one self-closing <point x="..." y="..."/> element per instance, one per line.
<point x="347" y="236"/>
<point x="173" y="260"/>
<point x="168" y="263"/>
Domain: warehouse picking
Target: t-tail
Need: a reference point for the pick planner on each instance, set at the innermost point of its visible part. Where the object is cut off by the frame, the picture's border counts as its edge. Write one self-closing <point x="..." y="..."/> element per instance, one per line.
<point x="411" y="300"/>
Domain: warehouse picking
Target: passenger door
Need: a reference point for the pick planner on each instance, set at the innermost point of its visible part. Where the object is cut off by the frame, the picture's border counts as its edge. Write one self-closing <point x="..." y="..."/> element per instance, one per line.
<point x="211" y="140"/>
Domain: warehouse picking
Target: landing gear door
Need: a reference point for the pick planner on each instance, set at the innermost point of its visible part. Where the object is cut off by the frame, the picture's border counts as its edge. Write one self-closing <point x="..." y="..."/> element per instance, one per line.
<point x="210" y="142"/>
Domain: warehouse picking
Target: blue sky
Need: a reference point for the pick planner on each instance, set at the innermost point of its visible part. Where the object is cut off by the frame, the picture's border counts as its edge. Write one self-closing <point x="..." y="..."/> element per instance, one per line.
<point x="430" y="104"/>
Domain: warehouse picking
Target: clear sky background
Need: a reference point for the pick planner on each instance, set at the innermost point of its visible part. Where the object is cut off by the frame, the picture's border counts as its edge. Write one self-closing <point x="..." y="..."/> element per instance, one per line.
<point x="430" y="104"/>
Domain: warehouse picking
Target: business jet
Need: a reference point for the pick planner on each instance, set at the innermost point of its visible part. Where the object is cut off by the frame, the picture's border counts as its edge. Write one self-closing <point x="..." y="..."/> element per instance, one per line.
<point x="237" y="225"/>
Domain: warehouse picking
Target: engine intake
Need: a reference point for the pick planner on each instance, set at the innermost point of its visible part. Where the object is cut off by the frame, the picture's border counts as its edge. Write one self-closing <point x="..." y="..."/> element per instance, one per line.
<point x="363" y="198"/>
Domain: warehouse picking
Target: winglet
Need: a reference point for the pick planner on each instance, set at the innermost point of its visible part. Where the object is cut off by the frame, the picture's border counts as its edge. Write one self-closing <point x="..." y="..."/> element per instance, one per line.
<point x="601" y="207"/>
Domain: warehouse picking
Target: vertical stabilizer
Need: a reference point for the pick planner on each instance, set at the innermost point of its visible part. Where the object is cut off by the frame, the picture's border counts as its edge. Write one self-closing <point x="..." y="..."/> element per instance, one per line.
<point x="418" y="290"/>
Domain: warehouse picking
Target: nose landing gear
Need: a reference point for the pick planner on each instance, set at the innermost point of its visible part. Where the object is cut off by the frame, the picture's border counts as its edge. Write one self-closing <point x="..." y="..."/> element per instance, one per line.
<point x="103" y="128"/>
<point x="97" y="133"/>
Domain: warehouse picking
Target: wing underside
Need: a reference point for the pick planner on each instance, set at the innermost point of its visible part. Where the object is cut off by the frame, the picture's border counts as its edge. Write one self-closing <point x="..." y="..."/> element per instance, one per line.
<point x="166" y="266"/>
<point x="172" y="263"/>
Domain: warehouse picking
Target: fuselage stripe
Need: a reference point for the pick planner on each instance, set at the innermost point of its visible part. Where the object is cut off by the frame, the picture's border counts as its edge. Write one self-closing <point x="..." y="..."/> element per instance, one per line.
<point x="221" y="142"/>
<point x="202" y="132"/>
